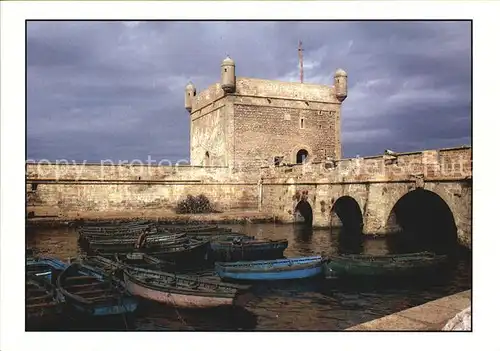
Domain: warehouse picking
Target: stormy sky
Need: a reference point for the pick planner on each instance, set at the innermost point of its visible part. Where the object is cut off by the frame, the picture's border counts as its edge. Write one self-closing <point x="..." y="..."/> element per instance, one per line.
<point x="115" y="90"/>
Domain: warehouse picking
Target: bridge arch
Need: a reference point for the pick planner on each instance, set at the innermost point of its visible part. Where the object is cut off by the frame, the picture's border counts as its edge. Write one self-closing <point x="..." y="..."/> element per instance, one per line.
<point x="424" y="221"/>
<point x="346" y="212"/>
<point x="304" y="209"/>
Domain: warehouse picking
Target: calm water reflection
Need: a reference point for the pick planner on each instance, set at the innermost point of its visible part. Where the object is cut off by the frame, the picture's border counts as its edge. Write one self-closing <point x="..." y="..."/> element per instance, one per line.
<point x="296" y="305"/>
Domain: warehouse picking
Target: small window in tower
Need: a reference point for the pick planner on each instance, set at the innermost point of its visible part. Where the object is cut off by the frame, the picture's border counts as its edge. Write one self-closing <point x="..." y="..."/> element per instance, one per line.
<point x="34" y="186"/>
<point x="207" y="159"/>
<point x="320" y="126"/>
<point x="225" y="69"/>
<point x="302" y="123"/>
<point x="331" y="113"/>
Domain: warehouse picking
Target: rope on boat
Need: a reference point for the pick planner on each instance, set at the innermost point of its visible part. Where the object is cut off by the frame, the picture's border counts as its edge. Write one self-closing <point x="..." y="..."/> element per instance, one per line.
<point x="179" y="317"/>
<point x="124" y="317"/>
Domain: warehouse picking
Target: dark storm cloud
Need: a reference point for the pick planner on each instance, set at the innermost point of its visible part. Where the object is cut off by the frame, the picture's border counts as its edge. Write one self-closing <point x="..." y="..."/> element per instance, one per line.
<point x="114" y="90"/>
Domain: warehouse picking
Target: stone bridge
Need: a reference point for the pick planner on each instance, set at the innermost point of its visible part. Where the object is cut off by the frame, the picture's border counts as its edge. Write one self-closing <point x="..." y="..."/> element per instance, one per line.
<point x="428" y="191"/>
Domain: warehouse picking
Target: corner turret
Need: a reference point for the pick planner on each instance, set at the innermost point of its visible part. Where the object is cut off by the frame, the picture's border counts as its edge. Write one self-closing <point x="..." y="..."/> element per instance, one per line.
<point x="190" y="93"/>
<point x="228" y="77"/>
<point x="340" y="84"/>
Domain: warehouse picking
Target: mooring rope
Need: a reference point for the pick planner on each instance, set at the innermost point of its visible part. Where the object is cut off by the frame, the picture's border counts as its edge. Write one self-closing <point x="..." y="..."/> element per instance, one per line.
<point x="123" y="315"/>
<point x="179" y="317"/>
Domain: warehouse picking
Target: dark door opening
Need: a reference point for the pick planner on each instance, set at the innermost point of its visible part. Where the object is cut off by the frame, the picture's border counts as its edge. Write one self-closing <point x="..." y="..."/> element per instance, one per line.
<point x="302" y="156"/>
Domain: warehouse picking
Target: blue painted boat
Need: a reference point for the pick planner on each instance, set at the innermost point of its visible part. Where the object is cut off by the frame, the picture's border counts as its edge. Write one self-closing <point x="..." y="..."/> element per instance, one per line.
<point x="281" y="269"/>
<point x="42" y="305"/>
<point x="45" y="267"/>
<point x="88" y="291"/>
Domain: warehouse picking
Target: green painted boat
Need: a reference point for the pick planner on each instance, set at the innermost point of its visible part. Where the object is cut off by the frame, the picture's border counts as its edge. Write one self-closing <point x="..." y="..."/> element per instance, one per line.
<point x="382" y="265"/>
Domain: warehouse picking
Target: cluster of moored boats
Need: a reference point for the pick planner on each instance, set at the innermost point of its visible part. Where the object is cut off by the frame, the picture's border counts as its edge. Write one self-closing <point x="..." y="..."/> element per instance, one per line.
<point x="180" y="266"/>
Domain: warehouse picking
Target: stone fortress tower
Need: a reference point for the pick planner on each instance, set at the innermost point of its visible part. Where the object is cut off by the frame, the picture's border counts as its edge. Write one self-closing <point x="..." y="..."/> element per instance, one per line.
<point x="247" y="122"/>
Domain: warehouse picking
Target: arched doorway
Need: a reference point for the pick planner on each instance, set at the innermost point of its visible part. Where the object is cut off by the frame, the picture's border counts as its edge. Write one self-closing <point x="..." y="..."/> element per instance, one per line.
<point x="302" y="156"/>
<point x="424" y="222"/>
<point x="346" y="212"/>
<point x="305" y="211"/>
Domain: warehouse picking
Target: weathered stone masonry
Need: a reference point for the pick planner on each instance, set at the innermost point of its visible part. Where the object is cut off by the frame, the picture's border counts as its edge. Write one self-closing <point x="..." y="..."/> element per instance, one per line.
<point x="246" y="138"/>
<point x="70" y="188"/>
<point x="256" y="120"/>
<point x="376" y="183"/>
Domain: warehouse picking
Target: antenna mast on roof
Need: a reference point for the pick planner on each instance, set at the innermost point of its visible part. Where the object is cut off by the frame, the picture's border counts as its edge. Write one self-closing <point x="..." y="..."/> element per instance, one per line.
<point x="301" y="61"/>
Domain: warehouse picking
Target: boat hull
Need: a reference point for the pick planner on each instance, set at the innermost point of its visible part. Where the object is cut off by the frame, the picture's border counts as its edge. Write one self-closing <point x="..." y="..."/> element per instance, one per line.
<point x="42" y="307"/>
<point x="247" y="251"/>
<point x="281" y="269"/>
<point x="127" y="306"/>
<point x="108" y="296"/>
<point x="175" y="298"/>
<point x="288" y="275"/>
<point x="45" y="267"/>
<point x="391" y="265"/>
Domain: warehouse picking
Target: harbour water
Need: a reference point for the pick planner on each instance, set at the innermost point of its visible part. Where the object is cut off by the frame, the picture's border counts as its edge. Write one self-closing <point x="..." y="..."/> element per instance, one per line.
<point x="308" y="305"/>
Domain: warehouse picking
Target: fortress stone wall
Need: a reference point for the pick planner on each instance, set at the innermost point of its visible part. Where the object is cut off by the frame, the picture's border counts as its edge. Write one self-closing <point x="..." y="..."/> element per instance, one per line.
<point x="249" y="123"/>
<point x="246" y="138"/>
<point x="73" y="188"/>
<point x="376" y="184"/>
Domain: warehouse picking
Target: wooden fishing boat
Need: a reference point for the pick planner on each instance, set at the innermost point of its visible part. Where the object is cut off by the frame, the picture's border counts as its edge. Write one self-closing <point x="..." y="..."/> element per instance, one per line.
<point x="281" y="269"/>
<point x="193" y="228"/>
<point x="147" y="238"/>
<point x="113" y="224"/>
<point x="142" y="260"/>
<point x="42" y="304"/>
<point x="221" y="237"/>
<point x="381" y="265"/>
<point x="192" y="252"/>
<point x="113" y="266"/>
<point x="247" y="250"/>
<point x="88" y="291"/>
<point x="85" y="235"/>
<point x="115" y="231"/>
<point x="130" y="243"/>
<point x="102" y="265"/>
<point x="46" y="267"/>
<point x="140" y="244"/>
<point x="123" y="235"/>
<point x="183" y="291"/>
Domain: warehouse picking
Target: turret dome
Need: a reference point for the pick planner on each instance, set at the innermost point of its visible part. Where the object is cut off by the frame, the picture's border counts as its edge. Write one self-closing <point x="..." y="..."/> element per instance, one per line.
<point x="228" y="62"/>
<point x="340" y="73"/>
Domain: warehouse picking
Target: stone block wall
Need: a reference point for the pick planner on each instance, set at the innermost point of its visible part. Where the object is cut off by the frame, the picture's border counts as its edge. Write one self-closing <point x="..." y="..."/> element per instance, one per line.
<point x="70" y="188"/>
<point x="286" y="90"/>
<point x="376" y="184"/>
<point x="274" y="129"/>
<point x="448" y="164"/>
<point x="263" y="119"/>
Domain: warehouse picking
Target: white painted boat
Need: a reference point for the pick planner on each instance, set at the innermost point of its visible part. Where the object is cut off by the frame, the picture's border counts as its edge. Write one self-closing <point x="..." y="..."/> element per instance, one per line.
<point x="182" y="291"/>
